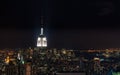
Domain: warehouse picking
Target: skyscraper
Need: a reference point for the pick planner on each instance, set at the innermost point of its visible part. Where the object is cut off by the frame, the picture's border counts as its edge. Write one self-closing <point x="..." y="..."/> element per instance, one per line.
<point x="42" y="40"/>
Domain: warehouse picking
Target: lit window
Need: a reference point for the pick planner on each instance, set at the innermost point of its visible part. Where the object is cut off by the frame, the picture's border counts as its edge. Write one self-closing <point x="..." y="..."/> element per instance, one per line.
<point x="44" y="38"/>
<point x="39" y="38"/>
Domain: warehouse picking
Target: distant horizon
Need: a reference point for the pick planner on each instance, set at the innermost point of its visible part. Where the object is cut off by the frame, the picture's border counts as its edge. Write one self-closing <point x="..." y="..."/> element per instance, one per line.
<point x="63" y="48"/>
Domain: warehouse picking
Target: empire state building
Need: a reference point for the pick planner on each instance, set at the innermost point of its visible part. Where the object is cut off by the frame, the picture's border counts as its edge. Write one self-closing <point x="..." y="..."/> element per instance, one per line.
<point x="42" y="40"/>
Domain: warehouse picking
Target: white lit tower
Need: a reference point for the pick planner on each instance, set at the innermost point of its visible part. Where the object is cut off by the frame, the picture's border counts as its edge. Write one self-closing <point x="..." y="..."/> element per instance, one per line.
<point x="42" y="40"/>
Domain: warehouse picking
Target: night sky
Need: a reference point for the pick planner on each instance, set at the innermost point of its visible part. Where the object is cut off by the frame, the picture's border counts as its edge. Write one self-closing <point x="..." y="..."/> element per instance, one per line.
<point x="77" y="24"/>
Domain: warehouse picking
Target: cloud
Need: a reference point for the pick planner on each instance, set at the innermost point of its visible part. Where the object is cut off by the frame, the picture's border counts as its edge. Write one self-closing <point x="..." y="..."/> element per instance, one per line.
<point x="105" y="11"/>
<point x="105" y="8"/>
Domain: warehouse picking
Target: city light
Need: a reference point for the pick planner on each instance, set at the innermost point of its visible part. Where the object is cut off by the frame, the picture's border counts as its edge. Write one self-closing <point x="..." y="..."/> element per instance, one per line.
<point x="7" y="60"/>
<point x="39" y="38"/>
<point x="42" y="42"/>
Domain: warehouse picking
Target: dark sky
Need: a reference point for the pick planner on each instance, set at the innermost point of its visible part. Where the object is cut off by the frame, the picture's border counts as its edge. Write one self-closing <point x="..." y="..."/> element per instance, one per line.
<point x="77" y="24"/>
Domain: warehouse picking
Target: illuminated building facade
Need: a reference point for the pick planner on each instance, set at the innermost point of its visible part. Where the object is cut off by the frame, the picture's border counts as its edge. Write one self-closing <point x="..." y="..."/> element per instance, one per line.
<point x="42" y="40"/>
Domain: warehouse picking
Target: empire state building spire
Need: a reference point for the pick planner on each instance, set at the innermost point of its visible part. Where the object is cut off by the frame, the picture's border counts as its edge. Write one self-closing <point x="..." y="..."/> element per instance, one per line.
<point x="41" y="31"/>
<point x="41" y="25"/>
<point x="42" y="40"/>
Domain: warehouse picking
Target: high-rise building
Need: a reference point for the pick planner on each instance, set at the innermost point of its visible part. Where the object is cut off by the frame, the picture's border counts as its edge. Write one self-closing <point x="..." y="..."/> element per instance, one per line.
<point x="42" y="40"/>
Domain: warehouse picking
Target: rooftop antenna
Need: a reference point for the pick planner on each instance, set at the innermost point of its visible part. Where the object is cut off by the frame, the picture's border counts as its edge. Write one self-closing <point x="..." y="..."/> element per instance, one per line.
<point x="41" y="25"/>
<point x="41" y="18"/>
